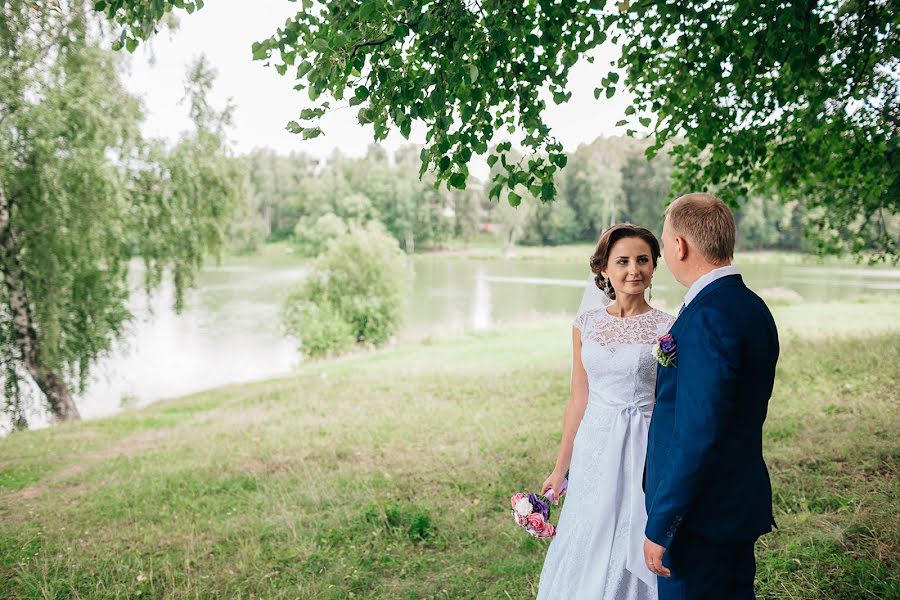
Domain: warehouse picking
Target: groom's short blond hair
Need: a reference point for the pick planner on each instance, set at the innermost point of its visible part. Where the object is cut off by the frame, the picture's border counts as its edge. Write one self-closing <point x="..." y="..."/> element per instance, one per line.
<point x="707" y="222"/>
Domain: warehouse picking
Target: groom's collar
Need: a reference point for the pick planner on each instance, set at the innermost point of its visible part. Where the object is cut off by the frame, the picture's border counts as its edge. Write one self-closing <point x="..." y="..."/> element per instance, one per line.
<point x="707" y="279"/>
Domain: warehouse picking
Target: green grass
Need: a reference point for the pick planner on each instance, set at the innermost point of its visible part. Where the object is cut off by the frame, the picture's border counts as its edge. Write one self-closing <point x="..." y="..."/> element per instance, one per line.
<point x="387" y="475"/>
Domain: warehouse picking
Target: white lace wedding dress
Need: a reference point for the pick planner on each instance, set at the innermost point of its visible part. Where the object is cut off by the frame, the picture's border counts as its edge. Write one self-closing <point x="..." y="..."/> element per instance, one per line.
<point x="598" y="549"/>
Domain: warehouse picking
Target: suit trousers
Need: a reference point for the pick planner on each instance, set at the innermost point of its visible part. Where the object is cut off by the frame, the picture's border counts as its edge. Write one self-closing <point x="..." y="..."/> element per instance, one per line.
<point x="703" y="570"/>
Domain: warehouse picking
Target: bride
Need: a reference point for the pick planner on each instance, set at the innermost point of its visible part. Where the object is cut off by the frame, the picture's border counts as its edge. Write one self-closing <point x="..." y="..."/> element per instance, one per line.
<point x="598" y="549"/>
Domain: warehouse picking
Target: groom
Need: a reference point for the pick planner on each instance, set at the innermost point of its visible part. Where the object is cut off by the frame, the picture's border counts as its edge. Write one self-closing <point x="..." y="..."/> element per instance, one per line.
<point x="708" y="494"/>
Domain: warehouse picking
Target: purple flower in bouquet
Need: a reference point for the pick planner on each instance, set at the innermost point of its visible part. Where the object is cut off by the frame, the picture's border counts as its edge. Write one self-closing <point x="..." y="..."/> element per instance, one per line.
<point x="539" y="505"/>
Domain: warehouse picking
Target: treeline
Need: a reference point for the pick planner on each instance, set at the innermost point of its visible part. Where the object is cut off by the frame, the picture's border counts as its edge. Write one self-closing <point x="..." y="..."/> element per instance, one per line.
<point x="311" y="201"/>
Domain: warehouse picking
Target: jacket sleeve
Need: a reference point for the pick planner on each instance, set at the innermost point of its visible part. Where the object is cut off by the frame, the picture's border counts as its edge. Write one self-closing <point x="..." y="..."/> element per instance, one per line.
<point x="707" y="359"/>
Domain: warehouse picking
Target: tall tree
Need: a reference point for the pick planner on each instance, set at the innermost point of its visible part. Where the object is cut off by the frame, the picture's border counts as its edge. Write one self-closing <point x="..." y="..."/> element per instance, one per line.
<point x="795" y="99"/>
<point x="799" y="97"/>
<point x="81" y="193"/>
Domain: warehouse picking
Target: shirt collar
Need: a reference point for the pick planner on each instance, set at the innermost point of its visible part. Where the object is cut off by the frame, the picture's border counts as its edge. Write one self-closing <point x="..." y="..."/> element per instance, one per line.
<point x="707" y="279"/>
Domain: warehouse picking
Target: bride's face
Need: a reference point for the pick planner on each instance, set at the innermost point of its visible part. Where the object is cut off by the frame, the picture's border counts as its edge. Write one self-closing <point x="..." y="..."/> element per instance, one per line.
<point x="630" y="266"/>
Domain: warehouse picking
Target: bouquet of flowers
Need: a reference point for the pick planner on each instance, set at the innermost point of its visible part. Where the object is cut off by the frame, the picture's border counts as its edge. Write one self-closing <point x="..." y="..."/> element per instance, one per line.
<point x="532" y="512"/>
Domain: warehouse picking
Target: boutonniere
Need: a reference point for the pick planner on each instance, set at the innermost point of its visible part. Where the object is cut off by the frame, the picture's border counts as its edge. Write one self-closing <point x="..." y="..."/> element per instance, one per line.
<point x="664" y="350"/>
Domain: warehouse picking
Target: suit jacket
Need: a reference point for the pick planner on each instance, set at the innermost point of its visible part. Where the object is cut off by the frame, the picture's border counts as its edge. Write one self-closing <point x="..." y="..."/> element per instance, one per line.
<point x="705" y="471"/>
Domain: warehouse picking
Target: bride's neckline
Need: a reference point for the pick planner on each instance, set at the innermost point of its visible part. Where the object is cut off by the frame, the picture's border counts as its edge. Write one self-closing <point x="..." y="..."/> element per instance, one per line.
<point x="612" y="316"/>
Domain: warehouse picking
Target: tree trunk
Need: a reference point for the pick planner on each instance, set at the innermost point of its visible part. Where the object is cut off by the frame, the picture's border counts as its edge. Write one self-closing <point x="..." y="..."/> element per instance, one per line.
<point x="50" y="383"/>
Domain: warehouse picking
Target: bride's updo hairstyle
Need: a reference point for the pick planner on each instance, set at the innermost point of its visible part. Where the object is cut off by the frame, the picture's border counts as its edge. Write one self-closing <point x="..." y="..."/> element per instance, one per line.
<point x="600" y="258"/>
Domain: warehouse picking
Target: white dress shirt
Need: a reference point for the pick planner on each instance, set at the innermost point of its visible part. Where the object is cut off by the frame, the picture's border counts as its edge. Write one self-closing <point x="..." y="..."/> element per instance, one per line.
<point x="708" y="279"/>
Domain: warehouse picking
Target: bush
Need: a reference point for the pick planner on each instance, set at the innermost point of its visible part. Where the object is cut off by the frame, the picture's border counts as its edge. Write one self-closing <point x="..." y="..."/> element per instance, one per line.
<point x="245" y="235"/>
<point x="322" y="331"/>
<point x="358" y="285"/>
<point x="314" y="235"/>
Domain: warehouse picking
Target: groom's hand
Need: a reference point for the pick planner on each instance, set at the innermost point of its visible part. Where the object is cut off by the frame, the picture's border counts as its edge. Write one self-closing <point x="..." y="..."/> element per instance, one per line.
<point x="653" y="554"/>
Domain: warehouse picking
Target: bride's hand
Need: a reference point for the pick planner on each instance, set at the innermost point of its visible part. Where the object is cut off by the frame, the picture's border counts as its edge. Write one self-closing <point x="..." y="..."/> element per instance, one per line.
<point x="554" y="482"/>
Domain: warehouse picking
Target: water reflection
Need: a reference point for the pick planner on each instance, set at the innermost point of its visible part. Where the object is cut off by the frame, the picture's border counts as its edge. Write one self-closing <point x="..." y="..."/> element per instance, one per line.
<point x="481" y="301"/>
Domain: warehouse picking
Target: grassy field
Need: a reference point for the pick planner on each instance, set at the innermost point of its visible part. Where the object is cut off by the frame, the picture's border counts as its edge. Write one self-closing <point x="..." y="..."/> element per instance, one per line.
<point x="387" y="476"/>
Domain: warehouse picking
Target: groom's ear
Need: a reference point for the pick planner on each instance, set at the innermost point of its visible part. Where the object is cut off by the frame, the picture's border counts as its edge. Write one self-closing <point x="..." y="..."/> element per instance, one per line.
<point x="681" y="247"/>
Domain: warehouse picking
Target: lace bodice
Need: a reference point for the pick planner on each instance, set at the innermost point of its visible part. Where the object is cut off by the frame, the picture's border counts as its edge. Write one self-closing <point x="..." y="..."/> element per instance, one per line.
<point x="615" y="352"/>
<point x="601" y="327"/>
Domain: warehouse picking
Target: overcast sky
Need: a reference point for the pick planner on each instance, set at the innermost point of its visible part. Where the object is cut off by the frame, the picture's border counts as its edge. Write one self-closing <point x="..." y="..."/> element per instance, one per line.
<point x="265" y="101"/>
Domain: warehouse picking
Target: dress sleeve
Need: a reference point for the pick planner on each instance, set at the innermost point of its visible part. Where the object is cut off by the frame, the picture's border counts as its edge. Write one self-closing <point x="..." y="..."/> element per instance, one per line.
<point x="665" y="324"/>
<point x="580" y="321"/>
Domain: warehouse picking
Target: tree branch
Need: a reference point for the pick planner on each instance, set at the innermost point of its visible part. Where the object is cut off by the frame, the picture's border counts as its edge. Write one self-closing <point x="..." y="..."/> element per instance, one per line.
<point x="359" y="45"/>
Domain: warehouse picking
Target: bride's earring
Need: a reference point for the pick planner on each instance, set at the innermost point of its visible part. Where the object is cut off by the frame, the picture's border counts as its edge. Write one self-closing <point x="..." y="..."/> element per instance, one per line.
<point x="651" y="290"/>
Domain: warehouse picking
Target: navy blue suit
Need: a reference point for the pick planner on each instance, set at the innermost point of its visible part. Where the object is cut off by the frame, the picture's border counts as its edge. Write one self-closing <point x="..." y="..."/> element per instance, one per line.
<point x="708" y="494"/>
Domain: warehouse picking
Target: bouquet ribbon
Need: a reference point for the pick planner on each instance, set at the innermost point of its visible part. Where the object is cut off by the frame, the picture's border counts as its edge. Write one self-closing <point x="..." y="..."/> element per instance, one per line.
<point x="562" y="488"/>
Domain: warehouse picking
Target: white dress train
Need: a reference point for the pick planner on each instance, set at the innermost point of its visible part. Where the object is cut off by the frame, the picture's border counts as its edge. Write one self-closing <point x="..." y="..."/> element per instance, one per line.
<point x="597" y="553"/>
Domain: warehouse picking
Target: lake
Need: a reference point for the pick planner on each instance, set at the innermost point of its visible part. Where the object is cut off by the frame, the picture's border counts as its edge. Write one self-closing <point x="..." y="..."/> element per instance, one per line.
<point x="230" y="332"/>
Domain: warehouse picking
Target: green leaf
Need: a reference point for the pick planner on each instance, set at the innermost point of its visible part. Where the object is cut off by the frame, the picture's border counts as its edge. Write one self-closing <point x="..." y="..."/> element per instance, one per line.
<point x="312" y="132"/>
<point x="473" y="73"/>
<point x="548" y="191"/>
<point x="131" y="44"/>
<point x="457" y="180"/>
<point x="514" y="199"/>
<point x="492" y="160"/>
<point x="368" y="11"/>
<point x="645" y="121"/>
<point x="260" y="51"/>
<point x="320" y="45"/>
<point x="622" y="123"/>
<point x="559" y="160"/>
